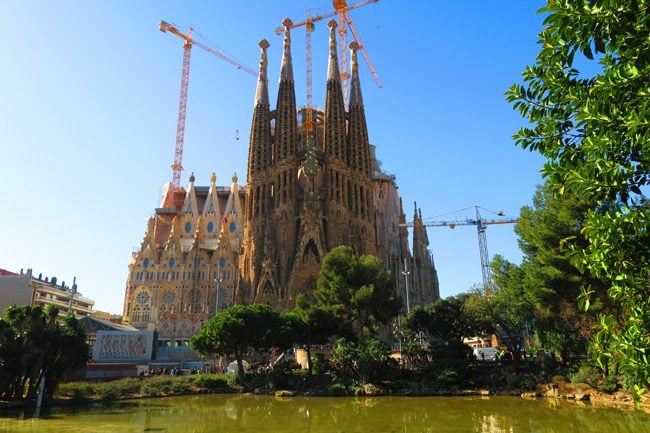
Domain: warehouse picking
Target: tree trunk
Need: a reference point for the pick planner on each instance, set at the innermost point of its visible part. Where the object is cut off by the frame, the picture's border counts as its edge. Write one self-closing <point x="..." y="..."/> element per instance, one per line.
<point x="240" y="367"/>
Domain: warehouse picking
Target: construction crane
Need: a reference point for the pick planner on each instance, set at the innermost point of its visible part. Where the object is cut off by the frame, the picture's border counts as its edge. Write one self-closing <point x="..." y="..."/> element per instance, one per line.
<point x="341" y="8"/>
<point x="481" y="224"/>
<point x="177" y="166"/>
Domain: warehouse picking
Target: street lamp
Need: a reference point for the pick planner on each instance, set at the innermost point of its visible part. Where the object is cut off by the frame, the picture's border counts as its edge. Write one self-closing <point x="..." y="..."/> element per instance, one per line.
<point x="406" y="274"/>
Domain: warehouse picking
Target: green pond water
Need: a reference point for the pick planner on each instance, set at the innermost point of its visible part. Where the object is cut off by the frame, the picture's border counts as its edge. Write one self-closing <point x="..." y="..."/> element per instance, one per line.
<point x="246" y="413"/>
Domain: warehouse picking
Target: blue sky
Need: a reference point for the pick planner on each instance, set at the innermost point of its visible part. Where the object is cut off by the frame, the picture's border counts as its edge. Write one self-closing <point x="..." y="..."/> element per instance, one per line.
<point x="89" y="98"/>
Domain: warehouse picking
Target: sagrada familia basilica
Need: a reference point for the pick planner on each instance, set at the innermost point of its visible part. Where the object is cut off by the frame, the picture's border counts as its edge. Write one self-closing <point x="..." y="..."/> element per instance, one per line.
<point x="313" y="183"/>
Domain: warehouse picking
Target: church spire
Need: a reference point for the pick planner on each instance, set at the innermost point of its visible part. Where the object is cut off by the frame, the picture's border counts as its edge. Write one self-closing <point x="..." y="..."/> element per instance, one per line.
<point x="286" y="70"/>
<point x="262" y="94"/>
<point x="259" y="150"/>
<point x="286" y="123"/>
<point x="355" y="85"/>
<point x="333" y="63"/>
<point x="334" y="104"/>
<point x="358" y="129"/>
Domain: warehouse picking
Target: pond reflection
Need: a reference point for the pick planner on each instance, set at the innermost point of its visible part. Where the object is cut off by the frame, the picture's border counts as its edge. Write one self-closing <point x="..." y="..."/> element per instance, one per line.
<point x="246" y="413"/>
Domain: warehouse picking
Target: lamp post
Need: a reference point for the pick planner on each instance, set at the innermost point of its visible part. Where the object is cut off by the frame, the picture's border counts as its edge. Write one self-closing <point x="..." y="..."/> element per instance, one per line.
<point x="406" y="274"/>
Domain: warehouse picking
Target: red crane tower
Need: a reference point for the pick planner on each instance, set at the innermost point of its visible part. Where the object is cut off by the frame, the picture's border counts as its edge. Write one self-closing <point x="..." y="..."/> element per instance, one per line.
<point x="177" y="166"/>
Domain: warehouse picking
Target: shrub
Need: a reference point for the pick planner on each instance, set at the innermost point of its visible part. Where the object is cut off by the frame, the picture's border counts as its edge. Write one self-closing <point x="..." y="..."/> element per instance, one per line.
<point x="609" y="384"/>
<point x="337" y="389"/>
<point x="157" y="386"/>
<point x="126" y="386"/>
<point x="283" y="375"/>
<point x="558" y="379"/>
<point x="108" y="393"/>
<point x="76" y="390"/>
<point x="210" y="381"/>
<point x="526" y="383"/>
<point x="320" y="365"/>
<point x="180" y="386"/>
<point x="587" y="373"/>
<point x="232" y="379"/>
<point x="368" y="361"/>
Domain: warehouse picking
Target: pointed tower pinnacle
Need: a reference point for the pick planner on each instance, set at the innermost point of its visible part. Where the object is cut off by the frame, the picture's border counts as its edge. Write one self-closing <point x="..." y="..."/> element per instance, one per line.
<point x="333" y="73"/>
<point x="335" y="122"/>
<point x="286" y="128"/>
<point x="360" y="154"/>
<point x="259" y="150"/>
<point x="355" y="88"/>
<point x="262" y="94"/>
<point x="286" y="70"/>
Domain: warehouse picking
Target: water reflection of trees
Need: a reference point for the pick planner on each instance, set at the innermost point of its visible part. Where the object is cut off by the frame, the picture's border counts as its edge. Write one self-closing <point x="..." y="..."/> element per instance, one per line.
<point x="239" y="413"/>
<point x="207" y="414"/>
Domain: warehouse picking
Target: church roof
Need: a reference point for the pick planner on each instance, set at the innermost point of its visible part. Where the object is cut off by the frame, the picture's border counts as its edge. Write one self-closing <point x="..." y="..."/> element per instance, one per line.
<point x="92" y="324"/>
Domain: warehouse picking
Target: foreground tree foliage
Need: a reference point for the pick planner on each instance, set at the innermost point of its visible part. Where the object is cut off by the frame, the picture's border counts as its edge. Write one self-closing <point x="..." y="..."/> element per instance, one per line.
<point x="240" y="327"/>
<point x="366" y="360"/>
<point x="36" y="344"/>
<point x="450" y="320"/>
<point x="446" y="322"/>
<point x="313" y="324"/>
<point x="542" y="293"/>
<point x="587" y="100"/>
<point x="357" y="290"/>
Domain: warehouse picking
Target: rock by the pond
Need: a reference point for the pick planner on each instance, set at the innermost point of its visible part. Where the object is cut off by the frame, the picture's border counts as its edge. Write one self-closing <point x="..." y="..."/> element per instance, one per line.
<point x="370" y="389"/>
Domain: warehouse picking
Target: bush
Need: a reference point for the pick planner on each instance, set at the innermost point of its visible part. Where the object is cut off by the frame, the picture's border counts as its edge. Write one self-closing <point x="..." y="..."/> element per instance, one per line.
<point x="108" y="393"/>
<point x="76" y="390"/>
<point x="367" y="361"/>
<point x="337" y="390"/>
<point x="158" y="386"/>
<point x="526" y="383"/>
<point x="589" y="374"/>
<point x="609" y="384"/>
<point x="126" y="386"/>
<point x="320" y="365"/>
<point x="210" y="381"/>
<point x="283" y="375"/>
<point x="231" y="379"/>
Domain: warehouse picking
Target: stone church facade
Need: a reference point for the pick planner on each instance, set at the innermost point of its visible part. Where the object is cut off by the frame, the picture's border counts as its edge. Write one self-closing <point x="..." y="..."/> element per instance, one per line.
<point x="313" y="183"/>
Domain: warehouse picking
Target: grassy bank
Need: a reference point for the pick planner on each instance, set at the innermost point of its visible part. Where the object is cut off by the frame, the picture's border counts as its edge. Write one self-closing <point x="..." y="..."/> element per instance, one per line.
<point x="487" y="379"/>
<point x="156" y="386"/>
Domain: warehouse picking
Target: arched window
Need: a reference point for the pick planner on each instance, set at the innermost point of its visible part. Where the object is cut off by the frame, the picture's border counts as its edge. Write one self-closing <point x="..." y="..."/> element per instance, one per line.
<point x="146" y="313"/>
<point x="136" y="313"/>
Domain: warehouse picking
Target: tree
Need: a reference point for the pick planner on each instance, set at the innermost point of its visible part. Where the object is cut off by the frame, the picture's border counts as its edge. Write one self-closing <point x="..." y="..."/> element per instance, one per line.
<point x="543" y="291"/>
<point x="36" y="345"/>
<point x="311" y="325"/>
<point x="511" y="310"/>
<point x="236" y="329"/>
<point x="357" y="290"/>
<point x="450" y="320"/>
<point x="366" y="360"/>
<point x="593" y="126"/>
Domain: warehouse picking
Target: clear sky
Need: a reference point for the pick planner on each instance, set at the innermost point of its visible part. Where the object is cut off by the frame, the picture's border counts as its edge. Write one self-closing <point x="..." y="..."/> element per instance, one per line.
<point x="89" y="98"/>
